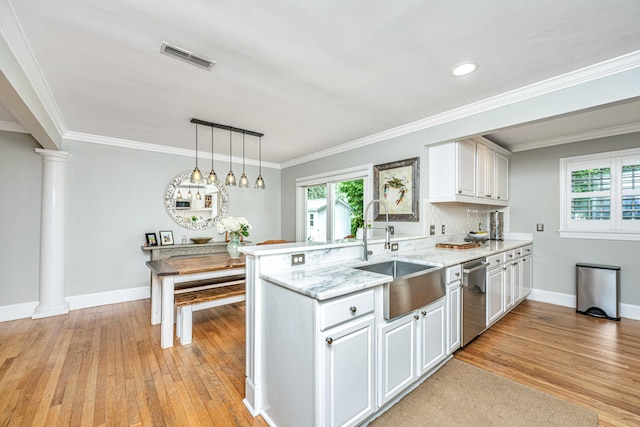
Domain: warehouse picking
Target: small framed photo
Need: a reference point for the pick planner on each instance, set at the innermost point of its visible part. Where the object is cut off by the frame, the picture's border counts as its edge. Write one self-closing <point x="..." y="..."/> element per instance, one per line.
<point x="166" y="238"/>
<point x="151" y="239"/>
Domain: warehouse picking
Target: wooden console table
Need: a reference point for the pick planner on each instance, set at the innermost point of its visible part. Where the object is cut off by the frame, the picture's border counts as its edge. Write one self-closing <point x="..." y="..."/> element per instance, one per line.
<point x="166" y="273"/>
<point x="190" y="249"/>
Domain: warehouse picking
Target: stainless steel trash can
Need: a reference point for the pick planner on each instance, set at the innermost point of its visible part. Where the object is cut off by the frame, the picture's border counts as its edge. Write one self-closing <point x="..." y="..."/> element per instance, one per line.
<point x="597" y="290"/>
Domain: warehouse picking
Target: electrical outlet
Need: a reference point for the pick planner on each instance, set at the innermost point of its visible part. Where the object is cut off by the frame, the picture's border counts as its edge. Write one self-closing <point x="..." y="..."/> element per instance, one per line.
<point x="392" y="230"/>
<point x="297" y="259"/>
<point x="443" y="228"/>
<point x="432" y="230"/>
<point x="539" y="227"/>
<point x="394" y="247"/>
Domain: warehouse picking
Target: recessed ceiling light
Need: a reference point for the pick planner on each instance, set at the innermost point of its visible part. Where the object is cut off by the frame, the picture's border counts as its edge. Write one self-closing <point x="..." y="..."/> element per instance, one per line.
<point x="464" y="69"/>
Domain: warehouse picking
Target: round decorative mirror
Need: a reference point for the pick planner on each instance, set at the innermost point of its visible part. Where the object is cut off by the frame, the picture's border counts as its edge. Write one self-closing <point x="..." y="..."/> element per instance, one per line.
<point x="195" y="206"/>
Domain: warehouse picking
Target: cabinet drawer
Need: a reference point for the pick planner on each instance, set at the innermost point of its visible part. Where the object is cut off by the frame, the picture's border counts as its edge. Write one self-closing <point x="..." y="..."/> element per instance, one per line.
<point x="454" y="273"/>
<point x="527" y="250"/>
<point x="345" y="308"/>
<point x="495" y="260"/>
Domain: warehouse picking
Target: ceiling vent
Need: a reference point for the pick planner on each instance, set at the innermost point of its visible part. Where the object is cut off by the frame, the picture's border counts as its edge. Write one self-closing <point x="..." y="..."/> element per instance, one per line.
<point x="185" y="55"/>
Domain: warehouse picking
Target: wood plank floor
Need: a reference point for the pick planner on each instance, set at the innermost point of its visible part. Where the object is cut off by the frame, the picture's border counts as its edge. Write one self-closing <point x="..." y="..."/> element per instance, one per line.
<point x="104" y="366"/>
<point x="589" y="361"/>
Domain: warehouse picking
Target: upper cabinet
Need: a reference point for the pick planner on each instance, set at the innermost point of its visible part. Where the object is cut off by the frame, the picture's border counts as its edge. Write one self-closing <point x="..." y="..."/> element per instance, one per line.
<point x="473" y="170"/>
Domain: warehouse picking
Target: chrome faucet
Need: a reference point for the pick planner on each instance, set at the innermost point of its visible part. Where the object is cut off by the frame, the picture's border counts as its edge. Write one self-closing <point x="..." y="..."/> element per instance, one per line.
<point x="387" y="235"/>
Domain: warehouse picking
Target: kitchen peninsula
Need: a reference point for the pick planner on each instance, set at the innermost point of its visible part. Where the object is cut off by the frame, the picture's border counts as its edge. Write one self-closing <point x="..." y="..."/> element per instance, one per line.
<point x="318" y="344"/>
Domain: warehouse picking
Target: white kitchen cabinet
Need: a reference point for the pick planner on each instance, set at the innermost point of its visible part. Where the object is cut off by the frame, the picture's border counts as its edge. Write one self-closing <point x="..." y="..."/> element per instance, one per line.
<point x="396" y="357"/>
<point x="347" y="372"/>
<point x="472" y="170"/>
<point x="511" y="281"/>
<point x="495" y="294"/>
<point x="526" y="277"/>
<point x="409" y="347"/>
<point x="454" y="295"/>
<point x="501" y="181"/>
<point x="431" y="336"/>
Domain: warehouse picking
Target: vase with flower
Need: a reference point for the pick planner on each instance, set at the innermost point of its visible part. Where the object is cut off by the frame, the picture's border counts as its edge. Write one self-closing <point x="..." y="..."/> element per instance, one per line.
<point x="236" y="227"/>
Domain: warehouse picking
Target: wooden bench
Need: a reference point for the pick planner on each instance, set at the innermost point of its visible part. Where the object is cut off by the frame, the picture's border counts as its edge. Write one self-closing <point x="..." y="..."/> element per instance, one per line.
<point x="186" y="302"/>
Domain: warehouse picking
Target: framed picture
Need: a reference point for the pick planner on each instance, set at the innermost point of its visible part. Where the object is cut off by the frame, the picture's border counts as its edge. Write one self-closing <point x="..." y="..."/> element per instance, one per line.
<point x="397" y="184"/>
<point x="151" y="239"/>
<point x="207" y="201"/>
<point x="166" y="238"/>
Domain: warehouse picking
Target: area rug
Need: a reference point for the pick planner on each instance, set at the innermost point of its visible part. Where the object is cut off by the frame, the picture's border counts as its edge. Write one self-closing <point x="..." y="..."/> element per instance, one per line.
<point x="461" y="395"/>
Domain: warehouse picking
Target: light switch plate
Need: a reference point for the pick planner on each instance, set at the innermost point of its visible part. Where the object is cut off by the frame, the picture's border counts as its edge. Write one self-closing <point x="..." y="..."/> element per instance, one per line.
<point x="443" y="228"/>
<point x="432" y="230"/>
<point x="539" y="227"/>
<point x="394" y="247"/>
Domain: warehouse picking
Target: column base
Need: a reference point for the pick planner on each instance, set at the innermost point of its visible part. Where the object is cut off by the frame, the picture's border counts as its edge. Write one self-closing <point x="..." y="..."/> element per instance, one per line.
<point x="41" y="312"/>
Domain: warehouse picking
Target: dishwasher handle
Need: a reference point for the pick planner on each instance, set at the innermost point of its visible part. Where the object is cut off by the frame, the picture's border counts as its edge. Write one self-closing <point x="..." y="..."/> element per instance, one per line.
<point x="482" y="265"/>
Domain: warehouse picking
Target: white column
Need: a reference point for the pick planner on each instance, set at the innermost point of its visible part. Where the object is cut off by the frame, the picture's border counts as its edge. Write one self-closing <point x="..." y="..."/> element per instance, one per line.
<point x="52" y="235"/>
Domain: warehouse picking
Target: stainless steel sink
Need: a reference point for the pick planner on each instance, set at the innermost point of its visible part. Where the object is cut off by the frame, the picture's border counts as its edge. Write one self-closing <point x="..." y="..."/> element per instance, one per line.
<point x="413" y="286"/>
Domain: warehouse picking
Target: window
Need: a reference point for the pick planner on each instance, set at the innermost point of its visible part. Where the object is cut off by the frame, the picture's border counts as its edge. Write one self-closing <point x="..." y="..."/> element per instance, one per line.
<point x="330" y="205"/>
<point x="600" y="196"/>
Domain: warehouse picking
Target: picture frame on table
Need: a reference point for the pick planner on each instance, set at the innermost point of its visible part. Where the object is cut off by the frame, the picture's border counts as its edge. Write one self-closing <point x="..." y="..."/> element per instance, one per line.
<point x="152" y="240"/>
<point x="398" y="184"/>
<point x="166" y="238"/>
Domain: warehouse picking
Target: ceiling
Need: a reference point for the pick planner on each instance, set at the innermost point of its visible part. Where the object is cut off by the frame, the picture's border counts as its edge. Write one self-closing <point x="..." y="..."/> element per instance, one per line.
<point x="310" y="76"/>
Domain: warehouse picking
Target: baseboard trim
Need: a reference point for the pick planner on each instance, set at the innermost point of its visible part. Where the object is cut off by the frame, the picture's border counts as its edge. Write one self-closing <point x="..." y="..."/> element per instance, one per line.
<point x="628" y="311"/>
<point x="26" y="309"/>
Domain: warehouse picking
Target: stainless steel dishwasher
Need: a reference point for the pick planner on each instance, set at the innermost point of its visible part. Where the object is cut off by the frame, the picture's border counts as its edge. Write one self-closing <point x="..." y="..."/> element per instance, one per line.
<point x="474" y="292"/>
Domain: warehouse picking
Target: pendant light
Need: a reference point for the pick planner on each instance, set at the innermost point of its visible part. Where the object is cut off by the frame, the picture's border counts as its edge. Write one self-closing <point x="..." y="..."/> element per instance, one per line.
<point x="196" y="176"/>
<point x="231" y="178"/>
<point x="260" y="182"/>
<point x="213" y="178"/>
<point x="179" y="195"/>
<point x="244" y="182"/>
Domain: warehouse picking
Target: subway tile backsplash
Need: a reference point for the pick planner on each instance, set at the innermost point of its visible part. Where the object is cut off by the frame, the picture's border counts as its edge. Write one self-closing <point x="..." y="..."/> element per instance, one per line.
<point x="457" y="219"/>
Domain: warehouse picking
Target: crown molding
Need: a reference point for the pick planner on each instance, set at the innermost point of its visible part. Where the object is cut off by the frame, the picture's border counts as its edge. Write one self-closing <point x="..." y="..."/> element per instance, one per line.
<point x="593" y="72"/>
<point x="156" y="148"/>
<point x="575" y="137"/>
<point x="12" y="127"/>
<point x="13" y="34"/>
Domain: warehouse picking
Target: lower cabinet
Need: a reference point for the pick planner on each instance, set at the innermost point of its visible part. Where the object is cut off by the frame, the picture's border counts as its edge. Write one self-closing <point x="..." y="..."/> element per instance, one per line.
<point x="495" y="294"/>
<point x="454" y="339"/>
<point x="409" y="347"/>
<point x="526" y="275"/>
<point x="347" y="372"/>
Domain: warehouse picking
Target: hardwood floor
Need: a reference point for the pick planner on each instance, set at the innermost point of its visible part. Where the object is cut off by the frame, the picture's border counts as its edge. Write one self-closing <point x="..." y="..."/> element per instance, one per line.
<point x="104" y="366"/>
<point x="589" y="361"/>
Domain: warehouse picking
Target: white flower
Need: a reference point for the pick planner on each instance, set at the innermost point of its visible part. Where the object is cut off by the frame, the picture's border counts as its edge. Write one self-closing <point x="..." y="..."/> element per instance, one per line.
<point x="234" y="226"/>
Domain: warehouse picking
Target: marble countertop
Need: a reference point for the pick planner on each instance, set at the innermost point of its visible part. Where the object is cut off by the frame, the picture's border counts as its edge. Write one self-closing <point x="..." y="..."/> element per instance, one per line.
<point x="332" y="280"/>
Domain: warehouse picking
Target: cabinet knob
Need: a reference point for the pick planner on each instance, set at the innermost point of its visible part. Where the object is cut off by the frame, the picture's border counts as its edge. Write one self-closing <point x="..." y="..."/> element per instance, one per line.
<point x="352" y="309"/>
<point x="329" y="341"/>
<point x="488" y="195"/>
<point x="459" y="191"/>
<point x="424" y="313"/>
<point x="415" y="316"/>
<point x="510" y="256"/>
<point x="497" y="197"/>
<point x="457" y="273"/>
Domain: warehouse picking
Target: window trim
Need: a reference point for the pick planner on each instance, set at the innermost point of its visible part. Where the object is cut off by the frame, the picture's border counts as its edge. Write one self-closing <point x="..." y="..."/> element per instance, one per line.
<point x="364" y="172"/>
<point x="615" y="159"/>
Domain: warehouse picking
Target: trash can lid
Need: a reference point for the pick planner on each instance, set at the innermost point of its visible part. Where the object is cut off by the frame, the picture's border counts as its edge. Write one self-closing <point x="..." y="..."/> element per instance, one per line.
<point x="604" y="267"/>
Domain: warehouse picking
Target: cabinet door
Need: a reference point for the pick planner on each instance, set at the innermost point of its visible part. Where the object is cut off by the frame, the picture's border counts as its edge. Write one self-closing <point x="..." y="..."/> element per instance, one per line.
<point x="517" y="280"/>
<point x="509" y="282"/>
<point x="526" y="275"/>
<point x="347" y="370"/>
<point x="485" y="172"/>
<point x="431" y="336"/>
<point x="453" y="317"/>
<point x="466" y="153"/>
<point x="495" y="294"/>
<point x="501" y="177"/>
<point x="396" y="357"/>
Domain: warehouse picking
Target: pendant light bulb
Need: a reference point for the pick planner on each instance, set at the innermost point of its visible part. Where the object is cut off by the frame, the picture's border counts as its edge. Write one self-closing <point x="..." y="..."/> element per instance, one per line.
<point x="260" y="182"/>
<point x="231" y="178"/>
<point x="189" y="195"/>
<point x="244" y="181"/>
<point x="196" y="175"/>
<point x="198" y="196"/>
<point x="213" y="177"/>
<point x="179" y="195"/>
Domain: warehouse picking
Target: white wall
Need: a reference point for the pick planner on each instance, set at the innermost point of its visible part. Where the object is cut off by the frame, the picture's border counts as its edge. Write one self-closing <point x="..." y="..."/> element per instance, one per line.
<point x="114" y="196"/>
<point x="534" y="198"/>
